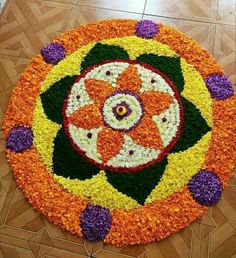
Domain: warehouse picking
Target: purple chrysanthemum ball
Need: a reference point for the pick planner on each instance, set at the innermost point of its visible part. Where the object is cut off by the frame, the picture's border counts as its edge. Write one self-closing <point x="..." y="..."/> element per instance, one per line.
<point x="219" y="86"/>
<point x="205" y="188"/>
<point x="19" y="139"/>
<point x="95" y="222"/>
<point x="146" y="29"/>
<point x="52" y="53"/>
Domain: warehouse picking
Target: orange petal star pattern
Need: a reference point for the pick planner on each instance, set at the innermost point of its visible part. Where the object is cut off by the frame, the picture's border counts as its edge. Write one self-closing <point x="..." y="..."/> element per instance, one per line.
<point x="109" y="143"/>
<point x="129" y="79"/>
<point x="155" y="102"/>
<point x="87" y="117"/>
<point x="147" y="134"/>
<point x="98" y="90"/>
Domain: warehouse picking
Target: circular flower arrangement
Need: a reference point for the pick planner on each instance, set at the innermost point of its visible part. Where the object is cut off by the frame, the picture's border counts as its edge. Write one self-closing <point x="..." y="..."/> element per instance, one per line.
<point x="122" y="131"/>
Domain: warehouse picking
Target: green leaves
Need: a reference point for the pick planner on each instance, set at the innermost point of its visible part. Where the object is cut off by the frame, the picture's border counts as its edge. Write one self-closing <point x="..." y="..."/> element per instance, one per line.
<point x="54" y="98"/>
<point x="168" y="65"/>
<point x="100" y="53"/>
<point x="193" y="128"/>
<point x="137" y="185"/>
<point x="69" y="163"/>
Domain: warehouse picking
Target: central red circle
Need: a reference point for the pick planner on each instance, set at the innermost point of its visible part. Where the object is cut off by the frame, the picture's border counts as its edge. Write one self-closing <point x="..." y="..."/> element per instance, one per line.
<point x="131" y="152"/>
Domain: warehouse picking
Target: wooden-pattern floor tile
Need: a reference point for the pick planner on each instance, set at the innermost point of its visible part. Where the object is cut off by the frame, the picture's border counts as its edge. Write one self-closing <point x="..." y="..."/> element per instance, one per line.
<point x="122" y="5"/>
<point x="26" y="26"/>
<point x="225" y="49"/>
<point x="10" y="70"/>
<point x="227" y="12"/>
<point x="201" y="10"/>
<point x="83" y="15"/>
<point x="13" y="252"/>
<point x="203" y="33"/>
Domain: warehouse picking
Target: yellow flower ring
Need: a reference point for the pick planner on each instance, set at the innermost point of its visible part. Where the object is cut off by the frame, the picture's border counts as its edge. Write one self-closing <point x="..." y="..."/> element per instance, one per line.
<point x="112" y="132"/>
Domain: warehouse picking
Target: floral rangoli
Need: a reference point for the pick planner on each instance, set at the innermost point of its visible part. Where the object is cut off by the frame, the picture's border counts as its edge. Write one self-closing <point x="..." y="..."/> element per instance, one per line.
<point x="122" y="131"/>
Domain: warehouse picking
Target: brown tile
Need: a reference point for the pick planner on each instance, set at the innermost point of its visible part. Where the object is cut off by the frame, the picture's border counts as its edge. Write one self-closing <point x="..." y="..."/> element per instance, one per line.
<point x="55" y="232"/>
<point x="2" y="145"/>
<point x="218" y="216"/>
<point x="227" y="205"/>
<point x="168" y="249"/>
<point x="122" y="5"/>
<point x="186" y="234"/>
<point x="7" y="201"/>
<point x="134" y="251"/>
<point x="177" y="241"/>
<point x="112" y="248"/>
<point x="153" y="250"/>
<point x="106" y="254"/>
<point x="83" y="15"/>
<point x="203" y="33"/>
<point x="227" y="12"/>
<point x="13" y="241"/>
<point x="59" y="253"/>
<point x="10" y="70"/>
<point x="196" y="246"/>
<point x="69" y="246"/>
<point x="206" y="231"/>
<point x="28" y="25"/>
<point x="14" y="252"/>
<point x="226" y="250"/>
<point x="219" y="236"/>
<point x="225" y="49"/>
<point x="22" y="215"/>
<point x="200" y="10"/>
<point x="4" y="98"/>
<point x="205" y="245"/>
<point x="92" y="247"/>
<point x="16" y="232"/>
<point x="38" y="249"/>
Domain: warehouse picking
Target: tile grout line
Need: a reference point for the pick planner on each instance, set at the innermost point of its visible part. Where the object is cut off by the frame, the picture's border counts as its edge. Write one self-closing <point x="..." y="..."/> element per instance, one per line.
<point x="144" y="8"/>
<point x="214" y="42"/>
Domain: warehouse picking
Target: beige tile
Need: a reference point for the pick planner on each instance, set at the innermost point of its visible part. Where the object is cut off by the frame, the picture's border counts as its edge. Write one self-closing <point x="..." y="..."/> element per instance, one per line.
<point x="28" y="25"/>
<point x="225" y="49"/>
<point x="227" y="12"/>
<point x="200" y="10"/>
<point x="83" y="15"/>
<point x="203" y="33"/>
<point x="122" y="5"/>
<point x="10" y="70"/>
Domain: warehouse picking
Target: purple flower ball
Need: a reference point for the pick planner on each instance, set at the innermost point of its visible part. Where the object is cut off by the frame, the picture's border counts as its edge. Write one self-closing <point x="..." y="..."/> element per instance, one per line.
<point x="219" y="86"/>
<point x="205" y="188"/>
<point x="95" y="222"/>
<point x="53" y="53"/>
<point x="19" y="139"/>
<point x="146" y="29"/>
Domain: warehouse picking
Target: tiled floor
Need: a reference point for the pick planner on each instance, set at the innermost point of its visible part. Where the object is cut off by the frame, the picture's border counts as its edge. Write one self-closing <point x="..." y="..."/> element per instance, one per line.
<point x="25" y="26"/>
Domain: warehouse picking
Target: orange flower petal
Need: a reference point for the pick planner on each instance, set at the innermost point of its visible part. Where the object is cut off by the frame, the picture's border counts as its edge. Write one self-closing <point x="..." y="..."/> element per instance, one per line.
<point x="87" y="117"/>
<point x="98" y="90"/>
<point x="147" y="134"/>
<point x="109" y="143"/>
<point x="129" y="79"/>
<point x="155" y="102"/>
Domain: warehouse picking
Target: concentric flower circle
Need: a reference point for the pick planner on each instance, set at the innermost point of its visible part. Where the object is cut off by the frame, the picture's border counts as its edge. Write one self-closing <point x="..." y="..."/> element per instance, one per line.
<point x="125" y="110"/>
<point x="122" y="96"/>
